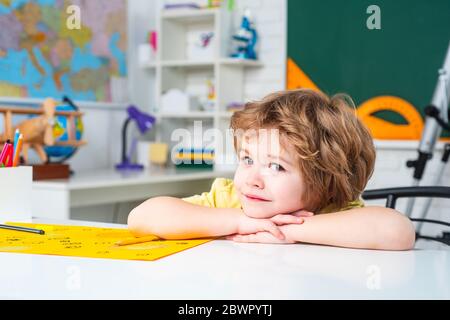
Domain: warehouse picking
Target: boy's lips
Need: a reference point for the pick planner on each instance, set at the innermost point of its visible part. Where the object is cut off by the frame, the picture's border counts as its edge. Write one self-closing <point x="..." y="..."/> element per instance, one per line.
<point x="255" y="198"/>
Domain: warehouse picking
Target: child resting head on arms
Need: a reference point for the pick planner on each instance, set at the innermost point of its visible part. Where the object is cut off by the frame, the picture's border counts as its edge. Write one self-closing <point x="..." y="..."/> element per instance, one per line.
<point x="304" y="160"/>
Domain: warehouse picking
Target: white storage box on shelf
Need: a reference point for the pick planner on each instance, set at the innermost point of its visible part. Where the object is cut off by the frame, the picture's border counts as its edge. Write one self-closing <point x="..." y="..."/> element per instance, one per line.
<point x="15" y="194"/>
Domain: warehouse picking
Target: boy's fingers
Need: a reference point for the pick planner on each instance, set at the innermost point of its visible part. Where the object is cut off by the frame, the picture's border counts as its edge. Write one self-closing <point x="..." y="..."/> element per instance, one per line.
<point x="273" y="229"/>
<point x="287" y="219"/>
<point x="303" y="213"/>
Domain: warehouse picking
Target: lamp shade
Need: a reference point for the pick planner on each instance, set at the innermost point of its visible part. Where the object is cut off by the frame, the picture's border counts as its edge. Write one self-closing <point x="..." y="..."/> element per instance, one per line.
<point x="144" y="121"/>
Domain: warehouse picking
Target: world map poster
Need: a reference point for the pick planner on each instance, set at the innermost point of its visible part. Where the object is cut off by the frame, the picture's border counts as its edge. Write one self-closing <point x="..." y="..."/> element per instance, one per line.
<point x="46" y="52"/>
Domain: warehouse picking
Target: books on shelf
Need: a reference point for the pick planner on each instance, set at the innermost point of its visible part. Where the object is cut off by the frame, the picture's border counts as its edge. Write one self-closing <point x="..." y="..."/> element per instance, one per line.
<point x="178" y="5"/>
<point x="198" y="158"/>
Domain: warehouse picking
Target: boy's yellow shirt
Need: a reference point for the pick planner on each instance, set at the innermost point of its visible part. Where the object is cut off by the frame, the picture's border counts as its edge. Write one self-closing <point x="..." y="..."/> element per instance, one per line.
<point x="223" y="195"/>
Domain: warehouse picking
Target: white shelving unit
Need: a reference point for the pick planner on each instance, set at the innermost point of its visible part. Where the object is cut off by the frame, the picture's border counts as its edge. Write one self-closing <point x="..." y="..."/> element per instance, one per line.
<point x="174" y="69"/>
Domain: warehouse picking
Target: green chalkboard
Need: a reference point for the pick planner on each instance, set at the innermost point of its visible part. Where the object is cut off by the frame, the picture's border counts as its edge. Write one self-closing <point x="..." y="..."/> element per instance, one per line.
<point x="329" y="40"/>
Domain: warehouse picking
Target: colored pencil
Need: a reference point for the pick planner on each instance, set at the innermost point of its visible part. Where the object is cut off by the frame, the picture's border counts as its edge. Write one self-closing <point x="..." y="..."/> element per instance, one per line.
<point x="127" y="242"/>
<point x="22" y="229"/>
<point x="4" y="150"/>
<point x="17" y="151"/>
<point x="16" y="139"/>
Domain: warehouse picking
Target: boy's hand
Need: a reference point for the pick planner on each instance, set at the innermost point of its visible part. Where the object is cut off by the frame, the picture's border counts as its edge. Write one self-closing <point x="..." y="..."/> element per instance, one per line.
<point x="293" y="218"/>
<point x="270" y="232"/>
<point x="248" y="226"/>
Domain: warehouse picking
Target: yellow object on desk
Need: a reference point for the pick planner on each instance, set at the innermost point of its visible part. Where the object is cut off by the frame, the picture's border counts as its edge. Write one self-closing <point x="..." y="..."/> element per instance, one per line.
<point x="159" y="153"/>
<point x="89" y="242"/>
<point x="134" y="240"/>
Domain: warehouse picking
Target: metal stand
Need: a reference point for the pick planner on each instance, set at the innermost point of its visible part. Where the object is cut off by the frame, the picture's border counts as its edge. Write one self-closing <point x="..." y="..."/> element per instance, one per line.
<point x="437" y="119"/>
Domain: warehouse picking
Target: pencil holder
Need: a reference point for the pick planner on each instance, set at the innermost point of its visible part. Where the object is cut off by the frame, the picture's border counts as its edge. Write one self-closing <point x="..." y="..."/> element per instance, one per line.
<point x="15" y="194"/>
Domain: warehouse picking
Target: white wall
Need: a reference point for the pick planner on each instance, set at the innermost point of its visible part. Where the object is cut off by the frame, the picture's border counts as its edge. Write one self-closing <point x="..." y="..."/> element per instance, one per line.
<point x="390" y="169"/>
<point x="271" y="22"/>
<point x="102" y="128"/>
<point x="102" y="125"/>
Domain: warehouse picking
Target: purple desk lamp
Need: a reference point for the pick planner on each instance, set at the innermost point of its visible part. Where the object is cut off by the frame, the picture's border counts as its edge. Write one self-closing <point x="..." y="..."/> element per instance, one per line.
<point x="144" y="122"/>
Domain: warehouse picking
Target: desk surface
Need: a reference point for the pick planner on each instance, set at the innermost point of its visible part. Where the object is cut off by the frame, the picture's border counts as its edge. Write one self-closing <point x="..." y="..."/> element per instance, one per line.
<point x="226" y="270"/>
<point x="112" y="178"/>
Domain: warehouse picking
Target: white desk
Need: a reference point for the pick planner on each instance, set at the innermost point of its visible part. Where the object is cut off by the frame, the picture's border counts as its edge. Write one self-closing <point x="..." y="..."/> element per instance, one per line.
<point x="53" y="199"/>
<point x="226" y="270"/>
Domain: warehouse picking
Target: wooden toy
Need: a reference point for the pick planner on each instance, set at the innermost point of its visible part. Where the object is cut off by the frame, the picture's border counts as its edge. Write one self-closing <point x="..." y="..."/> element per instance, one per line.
<point x="38" y="131"/>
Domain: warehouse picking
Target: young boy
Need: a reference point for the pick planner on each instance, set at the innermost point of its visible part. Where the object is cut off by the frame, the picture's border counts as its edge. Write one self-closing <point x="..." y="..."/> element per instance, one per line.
<point x="305" y="159"/>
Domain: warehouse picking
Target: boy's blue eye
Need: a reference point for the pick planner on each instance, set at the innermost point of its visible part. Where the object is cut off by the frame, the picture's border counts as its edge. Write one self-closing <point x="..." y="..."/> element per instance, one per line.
<point x="247" y="160"/>
<point x="276" y="167"/>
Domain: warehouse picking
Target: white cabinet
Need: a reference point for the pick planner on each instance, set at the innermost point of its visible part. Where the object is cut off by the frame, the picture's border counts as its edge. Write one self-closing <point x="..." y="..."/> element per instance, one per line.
<point x="181" y="66"/>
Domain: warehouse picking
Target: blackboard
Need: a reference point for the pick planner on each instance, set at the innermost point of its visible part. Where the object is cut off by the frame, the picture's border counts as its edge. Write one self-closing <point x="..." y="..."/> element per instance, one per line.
<point x="330" y="41"/>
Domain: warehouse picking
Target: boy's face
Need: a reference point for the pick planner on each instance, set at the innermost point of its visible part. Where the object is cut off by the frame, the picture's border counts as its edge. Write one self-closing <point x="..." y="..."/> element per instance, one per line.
<point x="267" y="180"/>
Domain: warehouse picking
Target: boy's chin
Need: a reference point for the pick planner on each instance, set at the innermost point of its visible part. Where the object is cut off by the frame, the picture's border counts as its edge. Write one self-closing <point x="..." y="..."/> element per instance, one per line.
<point x="257" y="213"/>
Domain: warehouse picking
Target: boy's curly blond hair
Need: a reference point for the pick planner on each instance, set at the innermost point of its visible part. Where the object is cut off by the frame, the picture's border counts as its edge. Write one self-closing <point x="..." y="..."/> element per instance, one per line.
<point x="335" y="151"/>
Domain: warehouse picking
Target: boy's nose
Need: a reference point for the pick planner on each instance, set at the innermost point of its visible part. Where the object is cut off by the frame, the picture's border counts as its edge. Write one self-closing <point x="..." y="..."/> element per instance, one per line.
<point x="255" y="179"/>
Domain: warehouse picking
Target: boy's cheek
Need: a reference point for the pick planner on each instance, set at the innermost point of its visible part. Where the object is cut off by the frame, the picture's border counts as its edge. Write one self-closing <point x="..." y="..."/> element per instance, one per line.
<point x="238" y="178"/>
<point x="289" y="202"/>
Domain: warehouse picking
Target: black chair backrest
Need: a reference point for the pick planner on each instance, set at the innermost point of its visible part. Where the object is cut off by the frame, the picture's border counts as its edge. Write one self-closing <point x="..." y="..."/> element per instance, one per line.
<point x="393" y="194"/>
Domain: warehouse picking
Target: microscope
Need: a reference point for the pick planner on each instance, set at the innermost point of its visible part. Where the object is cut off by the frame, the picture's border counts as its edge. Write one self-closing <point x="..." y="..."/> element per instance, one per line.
<point x="246" y="39"/>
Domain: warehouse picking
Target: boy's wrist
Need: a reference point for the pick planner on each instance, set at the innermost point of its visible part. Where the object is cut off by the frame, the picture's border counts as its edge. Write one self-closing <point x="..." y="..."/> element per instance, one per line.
<point x="240" y="222"/>
<point x="292" y="232"/>
<point x="232" y="220"/>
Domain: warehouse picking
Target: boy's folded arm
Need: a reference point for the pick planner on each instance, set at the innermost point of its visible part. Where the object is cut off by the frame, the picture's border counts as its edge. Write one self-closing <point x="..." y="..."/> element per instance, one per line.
<point x="172" y="218"/>
<point x="363" y="228"/>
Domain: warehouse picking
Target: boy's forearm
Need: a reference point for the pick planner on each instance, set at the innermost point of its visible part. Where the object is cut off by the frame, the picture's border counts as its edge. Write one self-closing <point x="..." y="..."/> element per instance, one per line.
<point x="172" y="218"/>
<point x="363" y="228"/>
